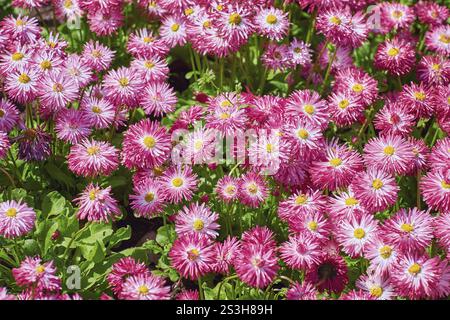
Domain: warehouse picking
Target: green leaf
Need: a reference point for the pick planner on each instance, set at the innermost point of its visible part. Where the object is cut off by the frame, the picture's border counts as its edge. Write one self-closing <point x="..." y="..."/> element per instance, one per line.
<point x="120" y="235"/>
<point x="53" y="204"/>
<point x="165" y="235"/>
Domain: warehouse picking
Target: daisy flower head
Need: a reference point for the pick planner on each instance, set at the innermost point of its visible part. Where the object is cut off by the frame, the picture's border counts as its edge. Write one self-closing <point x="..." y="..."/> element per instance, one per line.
<point x="438" y="40"/>
<point x="145" y="287"/>
<point x="394" y="119"/>
<point x="122" y="86"/>
<point x="91" y="158"/>
<point x="391" y="154"/>
<point x="421" y="153"/>
<point x="357" y="83"/>
<point x="123" y="269"/>
<point x="144" y="44"/>
<point x="192" y="255"/>
<point x="198" y="146"/>
<point x="355" y="234"/>
<point x="304" y="291"/>
<point x="415" y="275"/>
<point x="105" y="22"/>
<point x="277" y="57"/>
<point x="228" y="119"/>
<point x="345" y="108"/>
<point x="9" y="115"/>
<point x="173" y="31"/>
<point x="55" y="91"/>
<point x="272" y="23"/>
<point x="330" y="273"/>
<point x="305" y="138"/>
<point x="97" y="204"/>
<point x="396" y="56"/>
<point x="236" y="23"/>
<point x="48" y="61"/>
<point x="336" y="168"/>
<point x="34" y="144"/>
<point x="67" y="9"/>
<point x="72" y="126"/>
<point x="256" y="262"/>
<point x="342" y="57"/>
<point x="22" y="84"/>
<point x="75" y="68"/>
<point x="148" y="198"/>
<point x="97" y="56"/>
<point x="225" y="253"/>
<point x="301" y="251"/>
<point x="315" y="224"/>
<point x="4" y="144"/>
<point x="197" y="218"/>
<point x="33" y="272"/>
<point x="302" y="203"/>
<point x="227" y="188"/>
<point x="188" y="295"/>
<point x="344" y="205"/>
<point x="307" y="105"/>
<point x="179" y="183"/>
<point x="152" y="69"/>
<point x="253" y="190"/>
<point x="158" y="98"/>
<point x="418" y="98"/>
<point x="300" y="52"/>
<point x="357" y="295"/>
<point x="442" y="231"/>
<point x="98" y="112"/>
<point x="16" y="219"/>
<point x="397" y="15"/>
<point x="146" y="144"/>
<point x="18" y="56"/>
<point x="267" y="111"/>
<point x="376" y="189"/>
<point x="23" y="29"/>
<point x="440" y="154"/>
<point x="381" y="255"/>
<point x="435" y="190"/>
<point x="410" y="229"/>
<point x="434" y="70"/>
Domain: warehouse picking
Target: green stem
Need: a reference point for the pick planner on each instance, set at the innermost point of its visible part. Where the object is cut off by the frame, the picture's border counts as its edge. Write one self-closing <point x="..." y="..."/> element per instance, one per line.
<point x="327" y="74"/>
<point x="74" y="237"/>
<point x="418" y="204"/>
<point x="200" y="289"/>
<point x="225" y="281"/>
<point x="311" y="27"/>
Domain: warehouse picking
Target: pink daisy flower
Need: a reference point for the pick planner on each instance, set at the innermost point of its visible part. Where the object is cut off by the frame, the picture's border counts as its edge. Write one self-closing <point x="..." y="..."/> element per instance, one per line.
<point x="300" y="251"/>
<point x="72" y="126"/>
<point x="21" y="85"/>
<point x="4" y="145"/>
<point x="23" y="29"/>
<point x="235" y="22"/>
<point x="123" y="269"/>
<point x="192" y="255"/>
<point x="330" y="273"/>
<point x="438" y="40"/>
<point x="345" y="108"/>
<point x="378" y="286"/>
<point x="151" y="69"/>
<point x="396" y="56"/>
<point x="440" y="154"/>
<point x="144" y="44"/>
<point x="33" y="272"/>
<point x="431" y="13"/>
<point x="307" y="105"/>
<point x="357" y="83"/>
<point x="315" y="224"/>
<point x="225" y="253"/>
<point x="442" y="230"/>
<point x="145" y="287"/>
<point x="105" y="23"/>
<point x="146" y="144"/>
<point x="148" y="199"/>
<point x="197" y="219"/>
<point x="76" y="69"/>
<point x="344" y="205"/>
<point x="394" y="119"/>
<point x="435" y="189"/>
<point x="434" y="70"/>
<point x="189" y="295"/>
<point x="97" y="204"/>
<point x="300" y="52"/>
<point x="99" y="113"/>
<point x="97" y="56"/>
<point x="272" y="23"/>
<point x="16" y="219"/>
<point x="418" y="100"/>
<point x="91" y="158"/>
<point x="9" y="115"/>
<point x="253" y="189"/>
<point x="381" y="255"/>
<point x="173" y="31"/>
<point x="179" y="183"/>
<point x="158" y="98"/>
<point x="122" y="86"/>
<point x="227" y="188"/>
<point x="396" y="15"/>
<point x="376" y="190"/>
<point x="304" y="291"/>
<point x="56" y="90"/>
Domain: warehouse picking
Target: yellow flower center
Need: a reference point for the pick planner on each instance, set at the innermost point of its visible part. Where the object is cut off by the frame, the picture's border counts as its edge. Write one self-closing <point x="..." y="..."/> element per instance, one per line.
<point x="343" y="104"/>
<point x="149" y="197"/>
<point x="68" y="4"/>
<point x="376" y="291"/>
<point x="271" y="19"/>
<point x="269" y="148"/>
<point x="149" y="64"/>
<point x="359" y="233"/>
<point x="193" y="254"/>
<point x="2" y="113"/>
<point x="235" y="18"/>
<point x="175" y="27"/>
<point x="96" y="109"/>
<point x="11" y="212"/>
<point x="177" y="182"/>
<point x="17" y="56"/>
<point x="392" y="52"/>
<point x="312" y="225"/>
<point x="96" y="53"/>
<point x="93" y="195"/>
<point x="335" y="162"/>
<point x="147" y="39"/>
<point x="230" y="189"/>
<point x="309" y="109"/>
<point x="351" y="201"/>
<point x="389" y="150"/>
<point x="303" y="134"/>
<point x="24" y="78"/>
<point x="198" y="225"/>
<point x="142" y="290"/>
<point x="397" y="14"/>
<point x="46" y="65"/>
<point x="358" y="87"/>
<point x="335" y="20"/>
<point x="377" y="184"/>
<point x="407" y="227"/>
<point x="58" y="87"/>
<point x="252" y="188"/>
<point x="224" y="116"/>
<point x="219" y="7"/>
<point x="198" y="144"/>
<point x="444" y="38"/>
<point x="207" y="24"/>
<point x="436" y="66"/>
<point x="20" y="22"/>
<point x="40" y="269"/>
<point x="301" y="199"/>
<point x="149" y="142"/>
<point x="225" y="103"/>
<point x="93" y="150"/>
<point x="124" y="82"/>
<point x="419" y="95"/>
<point x="385" y="252"/>
<point x="445" y="185"/>
<point x="188" y="11"/>
<point x="415" y="269"/>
